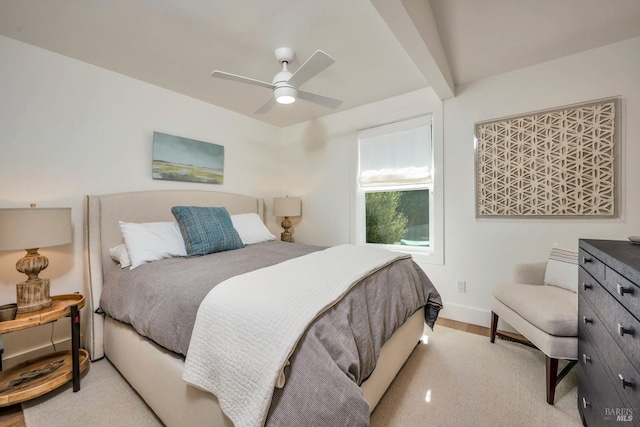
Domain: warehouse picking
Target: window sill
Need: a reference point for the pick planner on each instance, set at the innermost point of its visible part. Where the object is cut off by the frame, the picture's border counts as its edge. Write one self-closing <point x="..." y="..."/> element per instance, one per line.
<point x="421" y="256"/>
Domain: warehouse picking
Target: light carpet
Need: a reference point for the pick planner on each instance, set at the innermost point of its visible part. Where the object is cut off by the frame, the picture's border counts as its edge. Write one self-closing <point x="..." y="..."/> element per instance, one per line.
<point x="105" y="399"/>
<point x="455" y="379"/>
<point x="461" y="379"/>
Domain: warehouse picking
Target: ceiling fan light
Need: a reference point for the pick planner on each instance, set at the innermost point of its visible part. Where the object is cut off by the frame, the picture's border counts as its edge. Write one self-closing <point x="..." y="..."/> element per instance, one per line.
<point x="285" y="99"/>
<point x="285" y="95"/>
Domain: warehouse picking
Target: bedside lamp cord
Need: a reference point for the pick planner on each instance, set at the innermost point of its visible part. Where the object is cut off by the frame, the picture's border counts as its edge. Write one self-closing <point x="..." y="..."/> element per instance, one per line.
<point x="52" y="343"/>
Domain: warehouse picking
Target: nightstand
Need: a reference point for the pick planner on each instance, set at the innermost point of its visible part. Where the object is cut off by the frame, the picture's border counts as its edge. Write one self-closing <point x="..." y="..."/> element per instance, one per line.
<point x="43" y="374"/>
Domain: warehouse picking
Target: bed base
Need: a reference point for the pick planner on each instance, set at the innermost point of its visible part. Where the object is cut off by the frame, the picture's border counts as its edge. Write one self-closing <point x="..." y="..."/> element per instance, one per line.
<point x="156" y="373"/>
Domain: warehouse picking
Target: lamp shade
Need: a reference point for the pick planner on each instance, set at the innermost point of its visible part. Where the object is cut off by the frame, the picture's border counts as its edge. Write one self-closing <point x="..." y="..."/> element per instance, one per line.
<point x="286" y="206"/>
<point x="30" y="228"/>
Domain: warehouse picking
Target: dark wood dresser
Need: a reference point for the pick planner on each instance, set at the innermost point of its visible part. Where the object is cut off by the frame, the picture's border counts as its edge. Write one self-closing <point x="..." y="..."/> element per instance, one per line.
<point x="609" y="333"/>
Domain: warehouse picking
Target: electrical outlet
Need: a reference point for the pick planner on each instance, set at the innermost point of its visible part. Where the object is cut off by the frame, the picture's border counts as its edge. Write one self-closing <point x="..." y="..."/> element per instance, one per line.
<point x="462" y="286"/>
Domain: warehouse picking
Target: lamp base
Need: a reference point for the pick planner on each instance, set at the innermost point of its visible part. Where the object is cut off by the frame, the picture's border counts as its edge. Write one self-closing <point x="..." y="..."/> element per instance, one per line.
<point x="286" y="237"/>
<point x="33" y="295"/>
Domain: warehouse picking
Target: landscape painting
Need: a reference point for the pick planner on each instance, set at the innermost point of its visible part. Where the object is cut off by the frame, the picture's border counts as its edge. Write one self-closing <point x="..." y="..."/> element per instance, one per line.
<point x="182" y="159"/>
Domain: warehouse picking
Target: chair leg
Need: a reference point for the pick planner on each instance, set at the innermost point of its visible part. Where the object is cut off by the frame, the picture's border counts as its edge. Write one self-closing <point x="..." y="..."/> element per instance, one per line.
<point x="552" y="379"/>
<point x="494" y="326"/>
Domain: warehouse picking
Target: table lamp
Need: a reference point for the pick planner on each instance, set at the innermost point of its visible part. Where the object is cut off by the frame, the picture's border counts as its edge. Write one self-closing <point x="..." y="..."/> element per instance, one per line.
<point x="286" y="207"/>
<point x="30" y="229"/>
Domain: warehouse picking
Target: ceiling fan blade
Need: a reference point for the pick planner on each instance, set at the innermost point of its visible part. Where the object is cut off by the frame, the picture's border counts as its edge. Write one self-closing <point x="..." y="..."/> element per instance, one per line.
<point x="325" y="101"/>
<point x="318" y="62"/>
<point x="241" y="79"/>
<point x="266" y="106"/>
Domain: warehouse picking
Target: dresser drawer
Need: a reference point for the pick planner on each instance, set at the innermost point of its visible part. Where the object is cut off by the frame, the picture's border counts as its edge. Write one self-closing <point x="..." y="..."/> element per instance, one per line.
<point x="588" y="287"/>
<point x="591" y="264"/>
<point x="604" y="366"/>
<point x="589" y="408"/>
<point x="621" y="325"/>
<point x="623" y="290"/>
<point x="594" y="368"/>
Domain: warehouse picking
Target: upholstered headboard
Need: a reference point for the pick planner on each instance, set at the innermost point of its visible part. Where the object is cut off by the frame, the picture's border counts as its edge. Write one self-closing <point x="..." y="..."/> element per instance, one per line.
<point x="102" y="231"/>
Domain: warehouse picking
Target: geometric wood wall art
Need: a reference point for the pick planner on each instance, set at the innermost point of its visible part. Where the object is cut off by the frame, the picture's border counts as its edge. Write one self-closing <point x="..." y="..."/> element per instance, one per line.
<point x="555" y="163"/>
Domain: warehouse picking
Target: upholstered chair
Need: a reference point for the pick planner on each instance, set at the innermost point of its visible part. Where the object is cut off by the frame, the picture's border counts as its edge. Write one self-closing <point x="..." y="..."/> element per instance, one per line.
<point x="542" y="305"/>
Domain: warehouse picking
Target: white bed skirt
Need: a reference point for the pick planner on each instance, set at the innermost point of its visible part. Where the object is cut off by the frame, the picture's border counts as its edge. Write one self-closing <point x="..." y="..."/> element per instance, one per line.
<point x="156" y="374"/>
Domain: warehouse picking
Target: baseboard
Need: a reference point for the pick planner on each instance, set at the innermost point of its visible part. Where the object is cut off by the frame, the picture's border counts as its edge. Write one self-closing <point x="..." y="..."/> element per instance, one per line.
<point x="473" y="316"/>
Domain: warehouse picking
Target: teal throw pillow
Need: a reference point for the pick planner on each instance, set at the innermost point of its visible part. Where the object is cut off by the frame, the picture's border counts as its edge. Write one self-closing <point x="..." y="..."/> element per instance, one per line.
<point x="206" y="230"/>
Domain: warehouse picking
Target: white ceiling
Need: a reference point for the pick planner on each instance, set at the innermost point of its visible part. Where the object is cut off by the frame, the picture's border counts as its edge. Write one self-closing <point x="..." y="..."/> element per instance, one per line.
<point x="382" y="48"/>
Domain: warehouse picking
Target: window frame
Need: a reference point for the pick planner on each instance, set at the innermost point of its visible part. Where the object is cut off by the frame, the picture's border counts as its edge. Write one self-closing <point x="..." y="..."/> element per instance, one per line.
<point x="435" y="253"/>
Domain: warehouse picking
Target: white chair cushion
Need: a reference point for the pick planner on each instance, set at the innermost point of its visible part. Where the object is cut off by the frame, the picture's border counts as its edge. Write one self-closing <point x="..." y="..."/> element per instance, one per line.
<point x="551" y="309"/>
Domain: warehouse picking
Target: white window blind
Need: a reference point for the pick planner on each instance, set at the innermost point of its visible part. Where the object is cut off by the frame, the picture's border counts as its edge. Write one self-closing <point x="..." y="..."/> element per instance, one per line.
<point x="397" y="153"/>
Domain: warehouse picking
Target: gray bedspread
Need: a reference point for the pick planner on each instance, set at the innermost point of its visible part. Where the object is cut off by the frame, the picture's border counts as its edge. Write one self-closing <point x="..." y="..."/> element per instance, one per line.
<point x="161" y="299"/>
<point x="335" y="355"/>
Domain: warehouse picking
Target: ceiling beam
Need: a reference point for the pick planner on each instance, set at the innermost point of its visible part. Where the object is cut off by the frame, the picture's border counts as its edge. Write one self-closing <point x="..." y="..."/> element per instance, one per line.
<point x="413" y="24"/>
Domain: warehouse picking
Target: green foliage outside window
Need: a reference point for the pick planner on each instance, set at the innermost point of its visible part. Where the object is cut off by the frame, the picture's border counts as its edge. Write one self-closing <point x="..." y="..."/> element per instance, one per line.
<point x="398" y="217"/>
<point x="385" y="224"/>
<point x="414" y="205"/>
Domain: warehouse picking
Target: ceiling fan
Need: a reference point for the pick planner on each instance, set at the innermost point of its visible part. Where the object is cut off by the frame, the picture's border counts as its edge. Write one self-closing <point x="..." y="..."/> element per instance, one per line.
<point x="285" y="84"/>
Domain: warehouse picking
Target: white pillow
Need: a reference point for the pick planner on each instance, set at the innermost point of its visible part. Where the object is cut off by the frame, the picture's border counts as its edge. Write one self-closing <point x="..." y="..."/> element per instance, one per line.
<point x="251" y="228"/>
<point x="562" y="269"/>
<point x="120" y="255"/>
<point x="152" y="241"/>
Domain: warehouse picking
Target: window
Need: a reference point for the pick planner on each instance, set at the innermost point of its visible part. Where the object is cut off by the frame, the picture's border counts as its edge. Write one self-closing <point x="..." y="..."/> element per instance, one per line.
<point x="395" y="200"/>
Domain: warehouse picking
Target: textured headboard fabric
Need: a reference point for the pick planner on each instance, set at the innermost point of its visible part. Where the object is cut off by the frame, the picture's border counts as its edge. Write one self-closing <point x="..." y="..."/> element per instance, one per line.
<point x="102" y="231"/>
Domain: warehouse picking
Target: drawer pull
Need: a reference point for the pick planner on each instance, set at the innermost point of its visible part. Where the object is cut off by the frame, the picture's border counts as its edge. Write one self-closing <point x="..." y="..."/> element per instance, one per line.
<point x="585" y="403"/>
<point x="624" y="383"/>
<point x="585" y="286"/>
<point x="586" y="320"/>
<point x="586" y="260"/>
<point x="585" y="358"/>
<point x="624" y="289"/>
<point x="622" y="330"/>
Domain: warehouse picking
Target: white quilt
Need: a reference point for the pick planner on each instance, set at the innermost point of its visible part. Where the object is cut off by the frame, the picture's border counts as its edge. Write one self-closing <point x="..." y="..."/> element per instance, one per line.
<point x="248" y="326"/>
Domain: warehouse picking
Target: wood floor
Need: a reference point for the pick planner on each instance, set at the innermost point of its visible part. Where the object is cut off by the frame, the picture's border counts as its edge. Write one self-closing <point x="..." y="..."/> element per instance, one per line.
<point x="461" y="326"/>
<point x="11" y="416"/>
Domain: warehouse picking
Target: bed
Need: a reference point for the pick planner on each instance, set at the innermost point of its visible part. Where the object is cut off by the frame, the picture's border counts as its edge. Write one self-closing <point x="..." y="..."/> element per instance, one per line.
<point x="156" y="372"/>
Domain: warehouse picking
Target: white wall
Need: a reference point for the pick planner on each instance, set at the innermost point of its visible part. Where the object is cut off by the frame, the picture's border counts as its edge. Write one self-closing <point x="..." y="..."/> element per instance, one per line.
<point x="319" y="164"/>
<point x="68" y="129"/>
